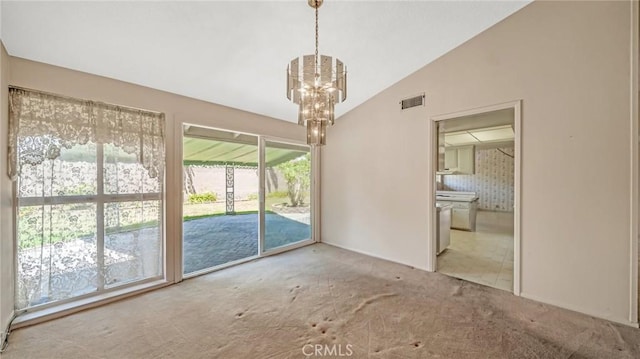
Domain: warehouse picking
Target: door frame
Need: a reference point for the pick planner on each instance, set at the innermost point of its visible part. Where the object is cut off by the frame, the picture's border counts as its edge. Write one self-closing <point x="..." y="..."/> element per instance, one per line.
<point x="433" y="166"/>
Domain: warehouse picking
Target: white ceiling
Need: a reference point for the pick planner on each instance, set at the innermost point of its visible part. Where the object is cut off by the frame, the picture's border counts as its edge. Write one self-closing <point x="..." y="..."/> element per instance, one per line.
<point x="235" y="52"/>
<point x="479" y="120"/>
<point x="482" y="128"/>
<point x="480" y="136"/>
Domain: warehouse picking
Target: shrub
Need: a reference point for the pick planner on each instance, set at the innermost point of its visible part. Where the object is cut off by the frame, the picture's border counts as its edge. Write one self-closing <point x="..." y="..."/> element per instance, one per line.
<point x="297" y="173"/>
<point x="206" y="197"/>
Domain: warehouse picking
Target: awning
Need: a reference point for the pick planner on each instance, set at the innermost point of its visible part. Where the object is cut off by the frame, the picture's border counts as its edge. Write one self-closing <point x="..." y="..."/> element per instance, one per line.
<point x="207" y="147"/>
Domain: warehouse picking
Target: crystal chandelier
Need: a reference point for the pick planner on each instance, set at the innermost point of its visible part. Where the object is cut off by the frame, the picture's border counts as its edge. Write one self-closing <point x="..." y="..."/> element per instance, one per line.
<point x="316" y="87"/>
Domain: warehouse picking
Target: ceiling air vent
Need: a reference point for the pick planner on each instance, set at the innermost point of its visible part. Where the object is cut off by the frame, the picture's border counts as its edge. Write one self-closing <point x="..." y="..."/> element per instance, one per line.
<point x="412" y="102"/>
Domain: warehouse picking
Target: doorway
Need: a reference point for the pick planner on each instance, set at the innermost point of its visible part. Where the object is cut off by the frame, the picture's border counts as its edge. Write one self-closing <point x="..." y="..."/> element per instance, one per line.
<point x="476" y="175"/>
<point x="243" y="196"/>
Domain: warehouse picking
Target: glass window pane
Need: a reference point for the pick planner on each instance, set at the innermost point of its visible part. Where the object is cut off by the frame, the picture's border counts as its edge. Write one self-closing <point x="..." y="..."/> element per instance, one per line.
<point x="57" y="253"/>
<point x="287" y="194"/>
<point x="221" y="198"/>
<point x="74" y="173"/>
<point x="133" y="241"/>
<point x="123" y="174"/>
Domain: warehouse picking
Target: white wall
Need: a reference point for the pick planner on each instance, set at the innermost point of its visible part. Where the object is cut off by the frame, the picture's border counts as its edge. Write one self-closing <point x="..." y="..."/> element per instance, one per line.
<point x="1" y="3"/>
<point x="570" y="64"/>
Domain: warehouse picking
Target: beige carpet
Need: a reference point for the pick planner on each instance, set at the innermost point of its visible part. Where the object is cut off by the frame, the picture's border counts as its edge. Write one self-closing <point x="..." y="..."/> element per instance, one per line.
<point x="273" y="307"/>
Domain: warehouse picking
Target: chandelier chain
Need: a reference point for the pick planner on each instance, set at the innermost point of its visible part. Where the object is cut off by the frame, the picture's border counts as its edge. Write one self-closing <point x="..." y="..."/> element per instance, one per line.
<point x="316" y="57"/>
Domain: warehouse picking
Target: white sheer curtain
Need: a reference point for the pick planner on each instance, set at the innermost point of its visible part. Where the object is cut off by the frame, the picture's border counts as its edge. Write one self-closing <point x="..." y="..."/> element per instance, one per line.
<point x="90" y="179"/>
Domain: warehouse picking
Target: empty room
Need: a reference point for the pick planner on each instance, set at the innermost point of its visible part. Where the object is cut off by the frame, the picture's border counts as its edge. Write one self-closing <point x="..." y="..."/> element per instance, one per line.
<point x="319" y="179"/>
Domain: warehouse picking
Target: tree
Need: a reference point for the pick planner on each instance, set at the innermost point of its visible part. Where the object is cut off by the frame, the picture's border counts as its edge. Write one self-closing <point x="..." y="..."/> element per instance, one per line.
<point x="189" y="188"/>
<point x="272" y="179"/>
<point x="297" y="174"/>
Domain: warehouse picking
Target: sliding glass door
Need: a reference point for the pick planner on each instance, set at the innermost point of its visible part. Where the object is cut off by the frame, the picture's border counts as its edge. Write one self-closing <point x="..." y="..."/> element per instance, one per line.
<point x="227" y="211"/>
<point x="287" y="191"/>
<point x="220" y="209"/>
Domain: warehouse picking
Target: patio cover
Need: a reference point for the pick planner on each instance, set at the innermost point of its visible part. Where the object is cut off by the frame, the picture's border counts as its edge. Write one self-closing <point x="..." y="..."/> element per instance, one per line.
<point x="207" y="147"/>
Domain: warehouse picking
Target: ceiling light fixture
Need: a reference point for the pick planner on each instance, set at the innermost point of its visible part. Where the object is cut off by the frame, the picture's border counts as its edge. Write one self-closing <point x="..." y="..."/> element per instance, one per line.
<point x="316" y="88"/>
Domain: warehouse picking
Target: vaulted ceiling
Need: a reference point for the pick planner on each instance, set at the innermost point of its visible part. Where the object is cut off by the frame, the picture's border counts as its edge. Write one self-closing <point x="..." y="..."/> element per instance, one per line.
<point x="235" y="53"/>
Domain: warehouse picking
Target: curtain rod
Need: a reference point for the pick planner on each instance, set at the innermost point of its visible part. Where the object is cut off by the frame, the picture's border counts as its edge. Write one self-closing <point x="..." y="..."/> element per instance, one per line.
<point x="127" y="108"/>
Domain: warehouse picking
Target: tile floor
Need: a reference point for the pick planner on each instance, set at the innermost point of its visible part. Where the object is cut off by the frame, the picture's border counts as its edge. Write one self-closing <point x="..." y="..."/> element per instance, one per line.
<point x="484" y="256"/>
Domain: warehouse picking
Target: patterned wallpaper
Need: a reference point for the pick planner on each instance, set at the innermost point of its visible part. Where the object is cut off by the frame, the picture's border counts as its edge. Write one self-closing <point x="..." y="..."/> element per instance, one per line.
<point x="493" y="180"/>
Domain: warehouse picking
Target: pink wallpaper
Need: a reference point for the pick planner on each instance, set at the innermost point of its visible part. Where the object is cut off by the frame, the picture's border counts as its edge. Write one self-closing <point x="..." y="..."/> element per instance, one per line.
<point x="493" y="180"/>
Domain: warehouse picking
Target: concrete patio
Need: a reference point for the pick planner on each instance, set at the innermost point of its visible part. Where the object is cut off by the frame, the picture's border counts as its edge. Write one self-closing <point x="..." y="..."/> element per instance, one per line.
<point x="213" y="241"/>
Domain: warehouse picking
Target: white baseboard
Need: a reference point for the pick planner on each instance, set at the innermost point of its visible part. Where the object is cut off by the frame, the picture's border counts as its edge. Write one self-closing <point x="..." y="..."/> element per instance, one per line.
<point x="578" y="310"/>
<point x="522" y="294"/>
<point x="374" y="255"/>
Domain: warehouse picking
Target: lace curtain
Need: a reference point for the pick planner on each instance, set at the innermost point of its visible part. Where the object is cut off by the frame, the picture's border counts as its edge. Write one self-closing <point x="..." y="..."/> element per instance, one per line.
<point x="41" y="125"/>
<point x="89" y="191"/>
